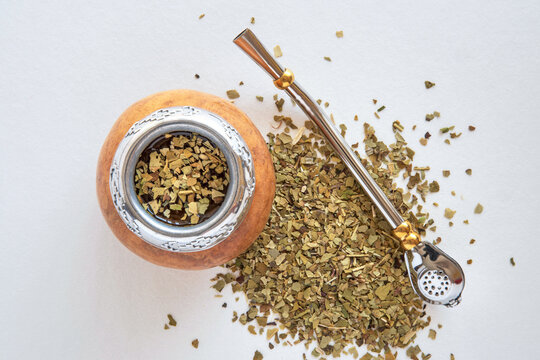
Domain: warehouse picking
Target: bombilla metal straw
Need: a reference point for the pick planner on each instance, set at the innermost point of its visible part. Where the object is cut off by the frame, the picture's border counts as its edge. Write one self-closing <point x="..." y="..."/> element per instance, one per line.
<point x="434" y="275"/>
<point x="248" y="42"/>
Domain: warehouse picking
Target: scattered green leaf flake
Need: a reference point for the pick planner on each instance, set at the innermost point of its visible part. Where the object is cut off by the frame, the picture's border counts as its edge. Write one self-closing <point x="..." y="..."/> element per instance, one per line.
<point x="219" y="285"/>
<point x="325" y="341"/>
<point x="434" y="186"/>
<point x="172" y="321"/>
<point x="192" y="207"/>
<point x="285" y="138"/>
<point x="444" y="130"/>
<point x="277" y="51"/>
<point x="413" y="351"/>
<point x="478" y="209"/>
<point x="449" y="213"/>
<point x="271" y="332"/>
<point x="233" y="94"/>
<point x="279" y="104"/>
<point x="354" y="352"/>
<point x="397" y="126"/>
<point x="383" y="291"/>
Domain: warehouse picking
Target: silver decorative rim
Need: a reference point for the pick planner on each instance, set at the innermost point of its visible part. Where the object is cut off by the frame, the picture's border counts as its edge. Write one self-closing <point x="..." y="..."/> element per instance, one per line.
<point x="239" y="193"/>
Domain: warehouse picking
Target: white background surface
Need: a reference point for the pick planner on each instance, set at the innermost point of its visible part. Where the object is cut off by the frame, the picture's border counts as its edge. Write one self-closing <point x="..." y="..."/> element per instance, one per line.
<point x="70" y="290"/>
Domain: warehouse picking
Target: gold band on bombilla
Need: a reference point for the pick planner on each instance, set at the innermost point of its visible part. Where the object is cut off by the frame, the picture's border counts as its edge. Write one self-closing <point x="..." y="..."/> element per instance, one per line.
<point x="286" y="80"/>
<point x="408" y="236"/>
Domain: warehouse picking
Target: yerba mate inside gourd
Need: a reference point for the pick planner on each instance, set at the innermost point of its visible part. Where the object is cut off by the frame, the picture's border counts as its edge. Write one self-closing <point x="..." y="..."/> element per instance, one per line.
<point x="181" y="178"/>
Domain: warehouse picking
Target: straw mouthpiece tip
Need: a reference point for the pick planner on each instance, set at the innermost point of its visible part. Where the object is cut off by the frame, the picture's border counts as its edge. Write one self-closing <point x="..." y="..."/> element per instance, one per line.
<point x="242" y="34"/>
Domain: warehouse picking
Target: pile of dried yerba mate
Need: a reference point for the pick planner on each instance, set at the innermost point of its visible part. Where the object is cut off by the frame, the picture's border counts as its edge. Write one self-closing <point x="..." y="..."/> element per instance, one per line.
<point x="326" y="271"/>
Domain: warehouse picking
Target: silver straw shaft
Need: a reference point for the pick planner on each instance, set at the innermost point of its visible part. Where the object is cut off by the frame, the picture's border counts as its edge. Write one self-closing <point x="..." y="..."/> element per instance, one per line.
<point x="248" y="42"/>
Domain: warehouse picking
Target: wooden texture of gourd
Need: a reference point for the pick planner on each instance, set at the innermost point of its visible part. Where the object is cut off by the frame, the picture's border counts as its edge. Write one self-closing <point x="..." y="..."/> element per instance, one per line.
<point x="257" y="215"/>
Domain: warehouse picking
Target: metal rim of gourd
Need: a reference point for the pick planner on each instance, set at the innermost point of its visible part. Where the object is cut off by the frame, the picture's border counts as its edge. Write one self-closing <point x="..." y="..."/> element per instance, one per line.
<point x="237" y="200"/>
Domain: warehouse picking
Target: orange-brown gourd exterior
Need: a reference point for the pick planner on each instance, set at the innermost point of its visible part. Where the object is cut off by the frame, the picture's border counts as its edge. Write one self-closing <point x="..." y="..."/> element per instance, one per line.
<point x="257" y="215"/>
